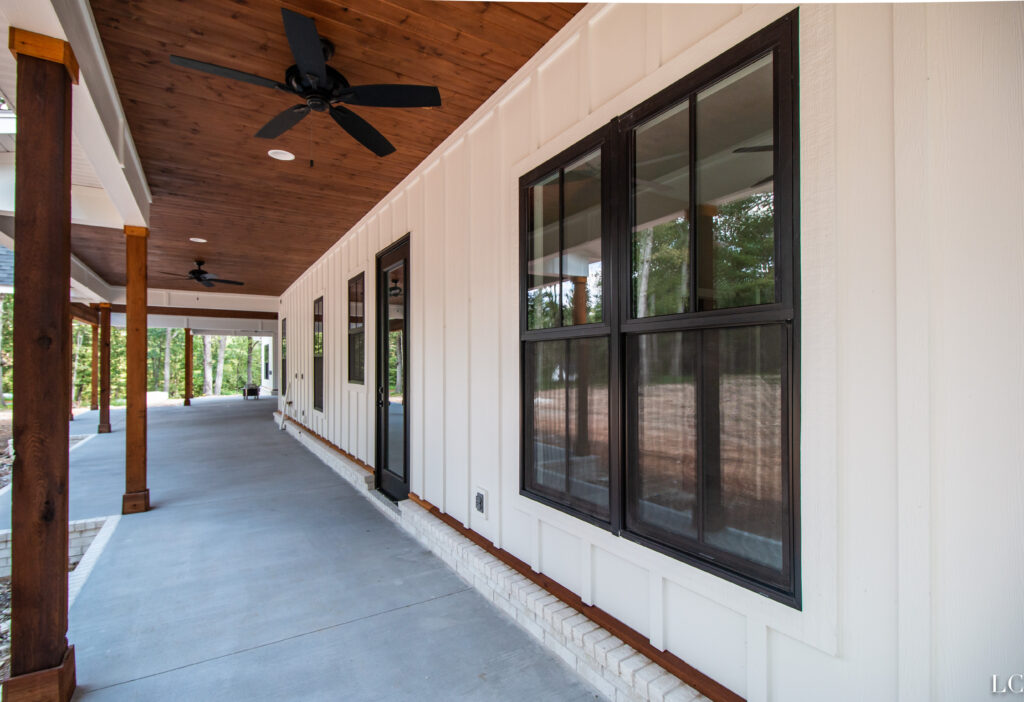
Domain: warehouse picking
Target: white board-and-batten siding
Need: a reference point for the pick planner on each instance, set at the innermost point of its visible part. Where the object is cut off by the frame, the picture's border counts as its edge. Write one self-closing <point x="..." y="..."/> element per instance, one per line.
<point x="886" y="611"/>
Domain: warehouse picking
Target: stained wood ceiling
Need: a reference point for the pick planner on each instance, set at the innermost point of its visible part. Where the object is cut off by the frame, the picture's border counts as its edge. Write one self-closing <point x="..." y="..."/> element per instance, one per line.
<point x="266" y="221"/>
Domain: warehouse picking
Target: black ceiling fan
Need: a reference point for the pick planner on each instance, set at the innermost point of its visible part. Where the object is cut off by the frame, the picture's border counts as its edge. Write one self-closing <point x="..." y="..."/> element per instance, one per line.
<point x="204" y="278"/>
<point x="322" y="88"/>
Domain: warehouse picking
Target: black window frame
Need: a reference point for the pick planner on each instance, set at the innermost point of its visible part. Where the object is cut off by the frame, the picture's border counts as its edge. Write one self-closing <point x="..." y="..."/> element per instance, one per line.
<point x="319" y="340"/>
<point x="354" y="332"/>
<point x="780" y="39"/>
<point x="284" y="356"/>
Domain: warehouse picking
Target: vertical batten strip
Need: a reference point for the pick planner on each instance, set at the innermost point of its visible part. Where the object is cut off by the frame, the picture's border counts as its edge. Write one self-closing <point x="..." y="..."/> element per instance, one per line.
<point x="913" y="358"/>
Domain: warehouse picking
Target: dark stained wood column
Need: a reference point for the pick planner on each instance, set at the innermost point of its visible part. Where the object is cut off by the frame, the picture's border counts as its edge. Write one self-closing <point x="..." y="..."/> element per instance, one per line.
<point x="71" y="361"/>
<point x="42" y="662"/>
<point x="104" y="424"/>
<point x="188" y="366"/>
<point x="94" y="398"/>
<point x="136" y="495"/>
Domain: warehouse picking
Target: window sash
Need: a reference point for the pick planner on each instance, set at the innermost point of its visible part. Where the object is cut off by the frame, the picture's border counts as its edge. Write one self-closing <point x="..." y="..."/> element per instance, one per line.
<point x="621" y="328"/>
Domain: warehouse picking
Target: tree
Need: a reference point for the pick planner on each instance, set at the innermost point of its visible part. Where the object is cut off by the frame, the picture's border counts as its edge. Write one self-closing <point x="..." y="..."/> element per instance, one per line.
<point x="250" y="343"/>
<point x="167" y="361"/>
<point x="207" y="365"/>
<point x="222" y="347"/>
<point x="74" y="363"/>
<point x="3" y="399"/>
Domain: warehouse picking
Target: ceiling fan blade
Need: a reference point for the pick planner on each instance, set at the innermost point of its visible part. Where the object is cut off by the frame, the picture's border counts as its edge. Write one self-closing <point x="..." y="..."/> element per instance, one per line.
<point x="362" y="131"/>
<point x="305" y="44"/>
<point x="393" y="96"/>
<point x="204" y="282"/>
<point x="227" y="282"/>
<point x="754" y="149"/>
<point x="173" y="275"/>
<point x="223" y="72"/>
<point x="283" y="122"/>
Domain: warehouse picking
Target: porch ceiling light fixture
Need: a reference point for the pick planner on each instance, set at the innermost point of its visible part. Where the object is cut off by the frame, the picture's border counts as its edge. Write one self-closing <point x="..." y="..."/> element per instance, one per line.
<point x="196" y="239"/>
<point x="281" y="155"/>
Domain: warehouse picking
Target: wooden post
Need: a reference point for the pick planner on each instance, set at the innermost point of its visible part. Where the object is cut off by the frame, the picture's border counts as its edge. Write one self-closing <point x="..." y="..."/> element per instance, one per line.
<point x="188" y="366"/>
<point x="94" y="397"/>
<point x="136" y="496"/>
<point x="71" y="360"/>
<point x="42" y="662"/>
<point x="104" y="424"/>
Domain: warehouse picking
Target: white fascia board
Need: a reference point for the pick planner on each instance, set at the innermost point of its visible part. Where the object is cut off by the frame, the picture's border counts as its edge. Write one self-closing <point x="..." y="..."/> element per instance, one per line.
<point x="201" y="300"/>
<point x="99" y="121"/>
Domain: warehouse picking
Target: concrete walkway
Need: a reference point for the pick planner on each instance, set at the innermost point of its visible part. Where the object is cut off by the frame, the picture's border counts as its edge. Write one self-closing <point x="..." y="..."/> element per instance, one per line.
<point x="261" y="575"/>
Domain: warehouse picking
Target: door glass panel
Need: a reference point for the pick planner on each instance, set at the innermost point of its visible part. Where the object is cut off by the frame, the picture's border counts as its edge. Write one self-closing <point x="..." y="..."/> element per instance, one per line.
<point x="744" y="508"/>
<point x="396" y="370"/>
<point x="666" y="432"/>
<point x="735" y="186"/>
<point x="661" y="214"/>
<point x="543" y="275"/>
<point x="581" y="253"/>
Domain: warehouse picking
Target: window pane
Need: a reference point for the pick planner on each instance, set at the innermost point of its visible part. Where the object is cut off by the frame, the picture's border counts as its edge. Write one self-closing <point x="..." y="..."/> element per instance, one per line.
<point x="284" y="357"/>
<point x="581" y="231"/>
<point x="356" y="358"/>
<point x="743" y="404"/>
<point x="543" y="274"/>
<point x="318" y="327"/>
<point x="666" y="433"/>
<point x="318" y="354"/>
<point x="661" y="214"/>
<point x="548" y="435"/>
<point x="568" y="433"/>
<point x="735" y="185"/>
<point x="356" y="300"/>
<point x="587" y="399"/>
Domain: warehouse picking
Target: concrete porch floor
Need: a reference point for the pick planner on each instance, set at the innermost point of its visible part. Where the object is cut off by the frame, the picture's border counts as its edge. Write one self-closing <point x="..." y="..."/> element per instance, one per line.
<point x="261" y="575"/>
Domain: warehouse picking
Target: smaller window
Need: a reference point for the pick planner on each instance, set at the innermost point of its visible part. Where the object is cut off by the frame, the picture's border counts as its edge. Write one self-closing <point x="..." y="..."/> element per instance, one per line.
<point x="356" y="340"/>
<point x="318" y="354"/>
<point x="284" y="357"/>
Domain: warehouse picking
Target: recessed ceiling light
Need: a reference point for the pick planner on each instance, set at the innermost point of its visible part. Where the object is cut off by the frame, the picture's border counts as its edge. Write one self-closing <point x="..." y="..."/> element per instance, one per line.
<point x="197" y="239"/>
<point x="281" y="155"/>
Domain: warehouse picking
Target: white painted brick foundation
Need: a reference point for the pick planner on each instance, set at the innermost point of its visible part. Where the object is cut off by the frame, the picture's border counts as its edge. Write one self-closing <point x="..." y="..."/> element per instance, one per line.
<point x="80" y="536"/>
<point x="613" y="668"/>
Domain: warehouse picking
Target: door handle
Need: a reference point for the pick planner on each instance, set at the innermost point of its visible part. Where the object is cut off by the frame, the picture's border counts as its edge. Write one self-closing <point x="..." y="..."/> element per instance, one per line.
<point x="380" y="396"/>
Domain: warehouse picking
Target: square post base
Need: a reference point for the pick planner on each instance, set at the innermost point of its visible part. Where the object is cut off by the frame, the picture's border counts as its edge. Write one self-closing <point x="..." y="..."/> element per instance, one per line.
<point x="135" y="502"/>
<point x="103" y="429"/>
<point x="50" y="685"/>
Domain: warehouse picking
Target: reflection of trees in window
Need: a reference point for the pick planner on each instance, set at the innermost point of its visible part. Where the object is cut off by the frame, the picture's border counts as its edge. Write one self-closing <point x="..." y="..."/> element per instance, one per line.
<point x="661" y="270"/>
<point x="745" y="251"/>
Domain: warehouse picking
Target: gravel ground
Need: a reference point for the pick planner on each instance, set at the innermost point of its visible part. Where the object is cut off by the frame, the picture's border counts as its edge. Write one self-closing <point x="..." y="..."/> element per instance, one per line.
<point x="5" y="628"/>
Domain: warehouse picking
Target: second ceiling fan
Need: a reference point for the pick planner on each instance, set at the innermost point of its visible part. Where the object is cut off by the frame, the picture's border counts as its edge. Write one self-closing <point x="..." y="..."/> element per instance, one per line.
<point x="322" y="88"/>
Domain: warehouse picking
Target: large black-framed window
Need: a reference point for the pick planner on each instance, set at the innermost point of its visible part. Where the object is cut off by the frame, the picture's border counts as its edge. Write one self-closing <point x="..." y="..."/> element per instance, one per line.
<point x="318" y="354"/>
<point x="667" y="411"/>
<point x="356" y="329"/>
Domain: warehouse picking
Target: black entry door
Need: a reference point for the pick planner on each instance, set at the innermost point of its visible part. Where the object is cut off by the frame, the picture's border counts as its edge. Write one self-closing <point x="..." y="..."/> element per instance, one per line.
<point x="393" y="370"/>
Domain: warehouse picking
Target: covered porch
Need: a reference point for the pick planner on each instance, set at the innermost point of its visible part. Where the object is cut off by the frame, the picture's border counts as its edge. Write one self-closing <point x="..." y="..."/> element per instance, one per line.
<point x="260" y="574"/>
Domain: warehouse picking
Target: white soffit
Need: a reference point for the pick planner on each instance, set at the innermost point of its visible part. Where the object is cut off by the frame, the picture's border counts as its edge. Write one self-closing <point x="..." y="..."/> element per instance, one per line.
<point x="108" y="183"/>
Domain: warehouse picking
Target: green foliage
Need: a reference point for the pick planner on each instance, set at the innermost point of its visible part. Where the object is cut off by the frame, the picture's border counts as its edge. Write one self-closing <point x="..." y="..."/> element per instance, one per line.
<point x="745" y="252"/>
<point x="235" y="360"/>
<point x="666" y="248"/>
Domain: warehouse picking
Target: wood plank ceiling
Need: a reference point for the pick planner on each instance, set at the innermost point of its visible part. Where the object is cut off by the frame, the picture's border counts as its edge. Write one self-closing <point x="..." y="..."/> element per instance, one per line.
<point x="266" y="221"/>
